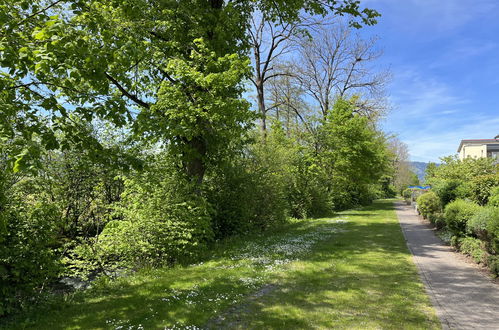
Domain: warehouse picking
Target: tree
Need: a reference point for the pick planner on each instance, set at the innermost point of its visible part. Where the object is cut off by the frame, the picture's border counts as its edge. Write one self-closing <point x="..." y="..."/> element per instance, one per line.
<point x="111" y="59"/>
<point x="430" y="171"/>
<point x="288" y="104"/>
<point x="353" y="152"/>
<point x="270" y="41"/>
<point x="335" y="64"/>
<point x="403" y="175"/>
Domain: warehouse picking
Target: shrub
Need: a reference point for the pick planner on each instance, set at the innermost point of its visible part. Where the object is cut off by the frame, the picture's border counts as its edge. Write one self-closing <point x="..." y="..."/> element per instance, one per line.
<point x="407" y="193"/>
<point x="262" y="193"/>
<point x="28" y="260"/>
<point x="481" y="187"/>
<point x="474" y="248"/>
<point x="458" y="213"/>
<point x="493" y="230"/>
<point x="447" y="190"/>
<point x="428" y="204"/>
<point x="477" y="225"/>
<point x="455" y="241"/>
<point x="152" y="235"/>
<point x="307" y="196"/>
<point x="161" y="219"/>
<point x="438" y="219"/>
<point x="494" y="197"/>
<point x="388" y="190"/>
<point x="493" y="263"/>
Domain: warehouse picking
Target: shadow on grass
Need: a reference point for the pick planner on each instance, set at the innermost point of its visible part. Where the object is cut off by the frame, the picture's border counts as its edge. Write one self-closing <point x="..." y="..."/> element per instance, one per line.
<point x="360" y="275"/>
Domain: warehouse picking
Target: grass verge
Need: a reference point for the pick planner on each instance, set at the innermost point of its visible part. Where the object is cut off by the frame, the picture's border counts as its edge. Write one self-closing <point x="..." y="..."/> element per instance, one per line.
<point x="350" y="271"/>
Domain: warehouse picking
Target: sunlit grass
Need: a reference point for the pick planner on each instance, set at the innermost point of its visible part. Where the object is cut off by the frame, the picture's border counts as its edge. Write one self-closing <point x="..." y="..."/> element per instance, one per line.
<point x="351" y="271"/>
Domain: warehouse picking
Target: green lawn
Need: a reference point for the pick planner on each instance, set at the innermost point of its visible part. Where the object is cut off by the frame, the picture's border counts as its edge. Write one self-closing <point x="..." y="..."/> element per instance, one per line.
<point x="350" y="271"/>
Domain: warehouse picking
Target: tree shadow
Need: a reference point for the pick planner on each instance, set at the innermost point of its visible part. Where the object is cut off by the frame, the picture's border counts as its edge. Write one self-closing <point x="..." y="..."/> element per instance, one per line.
<point x="338" y="285"/>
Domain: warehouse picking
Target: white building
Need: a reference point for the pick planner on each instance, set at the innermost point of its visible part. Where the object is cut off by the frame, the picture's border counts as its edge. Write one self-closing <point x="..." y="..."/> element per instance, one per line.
<point x="479" y="148"/>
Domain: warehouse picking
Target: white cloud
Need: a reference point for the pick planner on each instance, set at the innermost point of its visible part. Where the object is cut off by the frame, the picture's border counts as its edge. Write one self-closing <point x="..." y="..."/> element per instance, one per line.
<point x="432" y="118"/>
<point x="435" y="144"/>
<point x="418" y="96"/>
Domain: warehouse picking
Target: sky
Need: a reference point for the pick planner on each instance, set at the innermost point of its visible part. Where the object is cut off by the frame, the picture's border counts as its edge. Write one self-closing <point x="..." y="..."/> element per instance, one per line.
<point x="443" y="56"/>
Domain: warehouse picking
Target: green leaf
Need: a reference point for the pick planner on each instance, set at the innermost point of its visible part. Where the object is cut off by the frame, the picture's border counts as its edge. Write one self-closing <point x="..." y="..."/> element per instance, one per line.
<point x="40" y="35"/>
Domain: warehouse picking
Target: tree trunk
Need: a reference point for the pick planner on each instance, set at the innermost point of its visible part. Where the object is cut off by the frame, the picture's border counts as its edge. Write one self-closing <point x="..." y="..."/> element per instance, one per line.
<point x="195" y="167"/>
<point x="261" y="109"/>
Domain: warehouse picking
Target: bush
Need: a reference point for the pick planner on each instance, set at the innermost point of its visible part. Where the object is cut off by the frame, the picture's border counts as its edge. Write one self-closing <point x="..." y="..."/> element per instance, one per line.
<point x="263" y="195"/>
<point x="162" y="220"/>
<point x="474" y="248"/>
<point x="482" y="186"/>
<point x="458" y="213"/>
<point x="494" y="197"/>
<point x="28" y="259"/>
<point x="428" y="204"/>
<point x="407" y="193"/>
<point x="388" y="190"/>
<point x="477" y="225"/>
<point x="493" y="230"/>
<point x="446" y="190"/>
<point x="450" y="190"/>
<point x="307" y="195"/>
<point x="493" y="263"/>
<point x="438" y="219"/>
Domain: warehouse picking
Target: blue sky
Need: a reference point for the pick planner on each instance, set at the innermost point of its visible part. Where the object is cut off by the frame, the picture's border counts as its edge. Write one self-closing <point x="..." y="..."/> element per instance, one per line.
<point x="444" y="58"/>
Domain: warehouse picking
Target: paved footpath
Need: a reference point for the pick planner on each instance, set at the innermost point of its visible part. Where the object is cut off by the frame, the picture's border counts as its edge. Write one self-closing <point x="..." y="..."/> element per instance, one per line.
<point x="463" y="297"/>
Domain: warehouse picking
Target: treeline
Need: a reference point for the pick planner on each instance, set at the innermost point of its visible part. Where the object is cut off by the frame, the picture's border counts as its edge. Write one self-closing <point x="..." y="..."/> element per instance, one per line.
<point x="464" y="202"/>
<point x="126" y="141"/>
<point x="77" y="217"/>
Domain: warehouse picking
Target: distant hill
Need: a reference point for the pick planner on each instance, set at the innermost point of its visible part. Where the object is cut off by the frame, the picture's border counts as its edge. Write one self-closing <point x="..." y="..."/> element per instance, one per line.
<point x="420" y="169"/>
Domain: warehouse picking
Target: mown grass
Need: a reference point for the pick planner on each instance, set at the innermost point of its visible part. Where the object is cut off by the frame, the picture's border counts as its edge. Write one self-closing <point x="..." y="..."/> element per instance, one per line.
<point x="351" y="271"/>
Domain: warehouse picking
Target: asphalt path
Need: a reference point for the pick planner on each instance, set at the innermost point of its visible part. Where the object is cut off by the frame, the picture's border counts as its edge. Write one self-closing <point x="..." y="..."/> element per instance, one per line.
<point x="463" y="296"/>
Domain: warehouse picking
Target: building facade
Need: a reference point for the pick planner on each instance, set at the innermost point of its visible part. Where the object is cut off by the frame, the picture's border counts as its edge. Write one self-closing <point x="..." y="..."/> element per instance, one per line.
<point x="479" y="148"/>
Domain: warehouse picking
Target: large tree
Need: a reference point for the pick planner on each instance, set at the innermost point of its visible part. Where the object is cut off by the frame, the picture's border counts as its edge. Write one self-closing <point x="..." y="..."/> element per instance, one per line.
<point x="172" y="70"/>
<point x="335" y="63"/>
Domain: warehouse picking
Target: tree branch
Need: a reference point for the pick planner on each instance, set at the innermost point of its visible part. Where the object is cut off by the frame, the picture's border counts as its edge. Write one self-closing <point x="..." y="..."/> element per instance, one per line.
<point x="132" y="97"/>
<point x="39" y="12"/>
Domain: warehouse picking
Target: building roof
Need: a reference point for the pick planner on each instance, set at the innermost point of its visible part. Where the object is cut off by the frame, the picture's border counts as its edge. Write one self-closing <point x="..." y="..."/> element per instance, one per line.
<point x="477" y="141"/>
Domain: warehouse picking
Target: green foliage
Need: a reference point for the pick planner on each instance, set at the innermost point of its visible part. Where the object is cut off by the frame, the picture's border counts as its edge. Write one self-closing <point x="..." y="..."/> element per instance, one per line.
<point x="303" y="178"/>
<point x="428" y="204"/>
<point x="255" y="183"/>
<point x="493" y="230"/>
<point x="207" y="128"/>
<point x="169" y="78"/>
<point x="353" y="154"/>
<point x="482" y="186"/>
<point x="387" y="188"/>
<point x="470" y="178"/>
<point x="458" y="213"/>
<point x="447" y="190"/>
<point x="494" y="197"/>
<point x="164" y="221"/>
<point x="485" y="225"/>
<point x="407" y="193"/>
<point x="438" y="219"/>
<point x="463" y="170"/>
<point x="474" y="248"/>
<point x="477" y="225"/>
<point x="430" y="172"/>
<point x="95" y="60"/>
<point x="28" y="260"/>
<point x="493" y="263"/>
